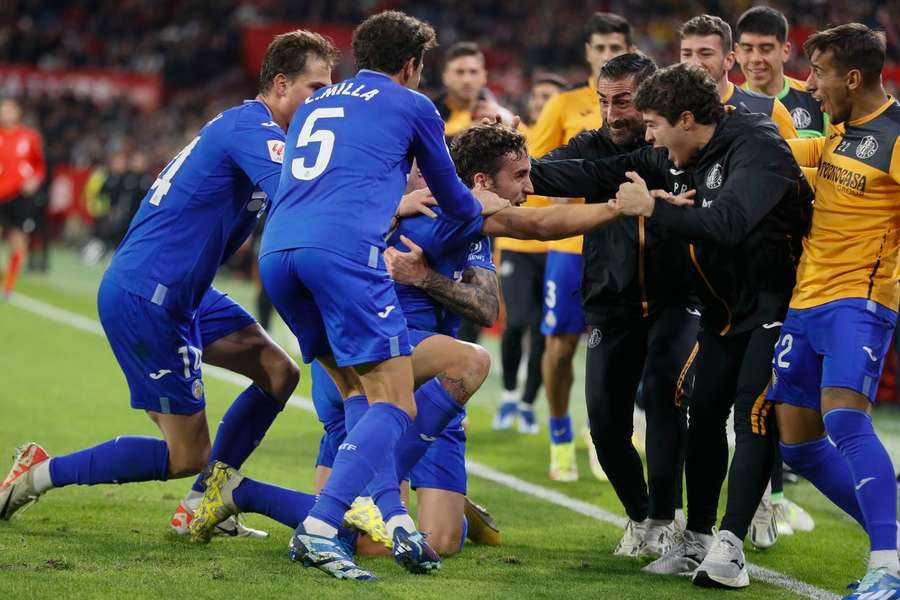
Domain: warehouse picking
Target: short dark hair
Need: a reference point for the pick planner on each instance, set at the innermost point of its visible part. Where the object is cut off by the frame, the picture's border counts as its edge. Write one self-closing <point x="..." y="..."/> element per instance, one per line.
<point x="678" y="89"/>
<point x="385" y="41"/>
<point x="462" y="49"/>
<point x="853" y="46"/>
<point x="551" y="78"/>
<point x="605" y="23"/>
<point x="763" y="20"/>
<point x="289" y="52"/>
<point x="633" y="64"/>
<point x="482" y="148"/>
<point x="708" y="25"/>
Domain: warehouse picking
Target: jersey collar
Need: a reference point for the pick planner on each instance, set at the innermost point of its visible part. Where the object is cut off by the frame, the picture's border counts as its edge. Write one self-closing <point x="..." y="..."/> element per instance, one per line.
<point x="263" y="104"/>
<point x="872" y="115"/>
<point x="370" y="73"/>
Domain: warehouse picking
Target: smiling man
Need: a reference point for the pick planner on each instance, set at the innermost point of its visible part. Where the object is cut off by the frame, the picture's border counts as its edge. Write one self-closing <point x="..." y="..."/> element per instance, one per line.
<point x="842" y="313"/>
<point x="742" y="239"/>
<point x="762" y="48"/>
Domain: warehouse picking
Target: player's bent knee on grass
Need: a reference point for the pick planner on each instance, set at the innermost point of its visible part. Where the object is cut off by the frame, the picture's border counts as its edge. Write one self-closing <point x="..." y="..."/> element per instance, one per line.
<point x="252" y="353"/>
<point x="441" y="517"/>
<point x="187" y="438"/>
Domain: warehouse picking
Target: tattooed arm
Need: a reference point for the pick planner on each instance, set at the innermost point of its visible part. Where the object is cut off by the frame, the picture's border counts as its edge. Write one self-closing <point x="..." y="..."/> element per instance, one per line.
<point x="476" y="297"/>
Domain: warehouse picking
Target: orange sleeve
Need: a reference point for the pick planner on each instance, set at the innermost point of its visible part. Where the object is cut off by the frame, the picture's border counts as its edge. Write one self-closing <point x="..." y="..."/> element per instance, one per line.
<point x="807" y="151"/>
<point x="547" y="133"/>
<point x="783" y="120"/>
<point x="895" y="161"/>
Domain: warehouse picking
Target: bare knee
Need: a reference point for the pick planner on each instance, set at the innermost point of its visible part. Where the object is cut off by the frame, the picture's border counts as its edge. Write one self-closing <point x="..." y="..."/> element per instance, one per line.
<point x="468" y="370"/>
<point x="561" y="348"/>
<point x="185" y="462"/>
<point x="283" y="375"/>
<point x="445" y="542"/>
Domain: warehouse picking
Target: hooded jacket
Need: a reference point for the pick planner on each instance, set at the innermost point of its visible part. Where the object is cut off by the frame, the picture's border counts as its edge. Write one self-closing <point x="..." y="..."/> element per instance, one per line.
<point x="745" y="229"/>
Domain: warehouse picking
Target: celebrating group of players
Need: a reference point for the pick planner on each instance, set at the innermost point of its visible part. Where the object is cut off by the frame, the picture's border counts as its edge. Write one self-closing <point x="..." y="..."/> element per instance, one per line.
<point x="703" y="251"/>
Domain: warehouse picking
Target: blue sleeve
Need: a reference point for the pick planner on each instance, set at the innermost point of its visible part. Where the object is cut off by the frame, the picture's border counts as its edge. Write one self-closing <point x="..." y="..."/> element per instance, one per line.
<point x="480" y="255"/>
<point x="259" y="152"/>
<point x="433" y="159"/>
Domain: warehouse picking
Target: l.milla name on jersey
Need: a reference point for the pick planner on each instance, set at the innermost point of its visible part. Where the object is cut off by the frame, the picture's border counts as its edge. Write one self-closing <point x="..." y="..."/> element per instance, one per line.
<point x="345" y="89"/>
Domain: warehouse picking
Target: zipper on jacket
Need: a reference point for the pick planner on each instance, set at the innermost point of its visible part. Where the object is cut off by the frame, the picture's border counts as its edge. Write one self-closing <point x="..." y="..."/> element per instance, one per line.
<point x="642" y="266"/>
<point x="727" y="327"/>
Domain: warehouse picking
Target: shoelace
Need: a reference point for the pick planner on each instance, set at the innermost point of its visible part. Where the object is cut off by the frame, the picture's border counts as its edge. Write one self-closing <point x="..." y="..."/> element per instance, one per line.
<point x="721" y="550"/>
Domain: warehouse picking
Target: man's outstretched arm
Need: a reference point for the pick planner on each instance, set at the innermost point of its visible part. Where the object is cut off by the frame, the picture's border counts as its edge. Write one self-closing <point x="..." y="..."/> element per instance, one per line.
<point x="551" y="222"/>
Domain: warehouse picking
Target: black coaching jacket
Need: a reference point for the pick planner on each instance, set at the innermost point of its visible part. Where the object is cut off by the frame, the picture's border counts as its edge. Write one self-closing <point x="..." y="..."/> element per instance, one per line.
<point x="743" y="233"/>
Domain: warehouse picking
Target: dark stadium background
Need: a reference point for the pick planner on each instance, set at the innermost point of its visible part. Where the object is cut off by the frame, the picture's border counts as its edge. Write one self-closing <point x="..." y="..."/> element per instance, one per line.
<point x="116" y="87"/>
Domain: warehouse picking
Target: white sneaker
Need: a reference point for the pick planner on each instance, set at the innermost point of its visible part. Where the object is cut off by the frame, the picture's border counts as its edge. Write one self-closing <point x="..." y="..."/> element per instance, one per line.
<point x="632" y="542"/>
<point x="724" y="565"/>
<point x="763" y="529"/>
<point x="506" y="414"/>
<point x="230" y="527"/>
<point x="18" y="490"/>
<point x="680" y="521"/>
<point x="685" y="555"/>
<point x="659" y="538"/>
<point x="793" y="515"/>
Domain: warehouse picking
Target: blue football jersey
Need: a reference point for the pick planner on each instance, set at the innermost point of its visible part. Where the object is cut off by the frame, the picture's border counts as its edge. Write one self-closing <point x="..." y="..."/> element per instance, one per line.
<point x="347" y="157"/>
<point x="450" y="247"/>
<point x="201" y="208"/>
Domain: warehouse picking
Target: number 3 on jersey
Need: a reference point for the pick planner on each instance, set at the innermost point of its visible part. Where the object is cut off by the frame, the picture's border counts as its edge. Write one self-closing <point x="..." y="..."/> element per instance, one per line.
<point x="325" y="139"/>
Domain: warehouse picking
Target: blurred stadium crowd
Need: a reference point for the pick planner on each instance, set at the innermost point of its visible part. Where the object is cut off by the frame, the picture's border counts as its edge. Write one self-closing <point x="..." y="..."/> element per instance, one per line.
<point x="117" y="87"/>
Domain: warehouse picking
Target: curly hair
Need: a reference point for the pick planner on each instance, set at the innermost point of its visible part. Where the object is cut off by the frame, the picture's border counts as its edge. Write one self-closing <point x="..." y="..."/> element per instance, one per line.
<point x="678" y="89"/>
<point x="288" y="53"/>
<point x="384" y="42"/>
<point x="482" y="148"/>
<point x="853" y="46"/>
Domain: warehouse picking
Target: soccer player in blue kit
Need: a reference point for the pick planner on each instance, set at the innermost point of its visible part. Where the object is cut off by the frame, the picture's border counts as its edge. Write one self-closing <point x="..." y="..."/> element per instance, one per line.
<point x="160" y="311"/>
<point x="448" y="273"/>
<point x="347" y="157"/>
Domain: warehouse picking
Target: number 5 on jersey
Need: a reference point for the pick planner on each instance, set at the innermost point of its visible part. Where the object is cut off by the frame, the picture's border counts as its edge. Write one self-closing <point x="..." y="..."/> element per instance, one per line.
<point x="325" y="139"/>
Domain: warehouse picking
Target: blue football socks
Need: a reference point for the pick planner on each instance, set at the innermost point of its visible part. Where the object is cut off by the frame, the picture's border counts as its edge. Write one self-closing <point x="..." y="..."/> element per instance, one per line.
<point x="874" y="480"/>
<point x="365" y="450"/>
<point x="288" y="507"/>
<point x="122" y="460"/>
<point x="435" y="408"/>
<point x="561" y="430"/>
<point x="242" y="428"/>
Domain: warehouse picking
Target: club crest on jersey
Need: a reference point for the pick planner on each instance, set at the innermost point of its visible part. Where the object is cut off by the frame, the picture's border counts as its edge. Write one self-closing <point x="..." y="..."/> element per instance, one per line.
<point x="596" y="336"/>
<point x="867" y="147"/>
<point x="276" y="150"/>
<point x="714" y="177"/>
<point x="197" y="389"/>
<point x="801" y="117"/>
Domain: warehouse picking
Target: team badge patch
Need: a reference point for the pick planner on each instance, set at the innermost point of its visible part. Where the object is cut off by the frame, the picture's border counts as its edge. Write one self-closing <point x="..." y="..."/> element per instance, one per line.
<point x="276" y="150"/>
<point x="868" y="146"/>
<point x="714" y="177"/>
<point x="801" y="117"/>
<point x="596" y="336"/>
<point x="197" y="389"/>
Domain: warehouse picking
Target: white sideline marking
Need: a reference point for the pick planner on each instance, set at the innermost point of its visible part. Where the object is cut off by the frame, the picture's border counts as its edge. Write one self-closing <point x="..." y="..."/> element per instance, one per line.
<point x="587" y="509"/>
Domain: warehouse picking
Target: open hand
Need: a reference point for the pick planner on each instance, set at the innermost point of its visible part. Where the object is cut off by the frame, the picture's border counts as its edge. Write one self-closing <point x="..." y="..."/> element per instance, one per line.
<point x="683" y="199"/>
<point x="491" y="203"/>
<point x="417" y="202"/>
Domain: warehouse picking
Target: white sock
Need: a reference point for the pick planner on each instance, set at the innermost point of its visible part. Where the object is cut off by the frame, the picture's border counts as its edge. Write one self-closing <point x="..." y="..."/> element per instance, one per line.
<point x="885" y="558"/>
<point x="41" y="477"/>
<point x="404" y="521"/>
<point x="318" y="527"/>
<point x="509" y="397"/>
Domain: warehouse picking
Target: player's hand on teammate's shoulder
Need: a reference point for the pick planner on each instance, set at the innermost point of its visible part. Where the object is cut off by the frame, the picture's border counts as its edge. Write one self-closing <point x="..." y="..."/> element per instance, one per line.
<point x="633" y="197"/>
<point x="491" y="203"/>
<point x="409" y="268"/>
<point x="415" y="203"/>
